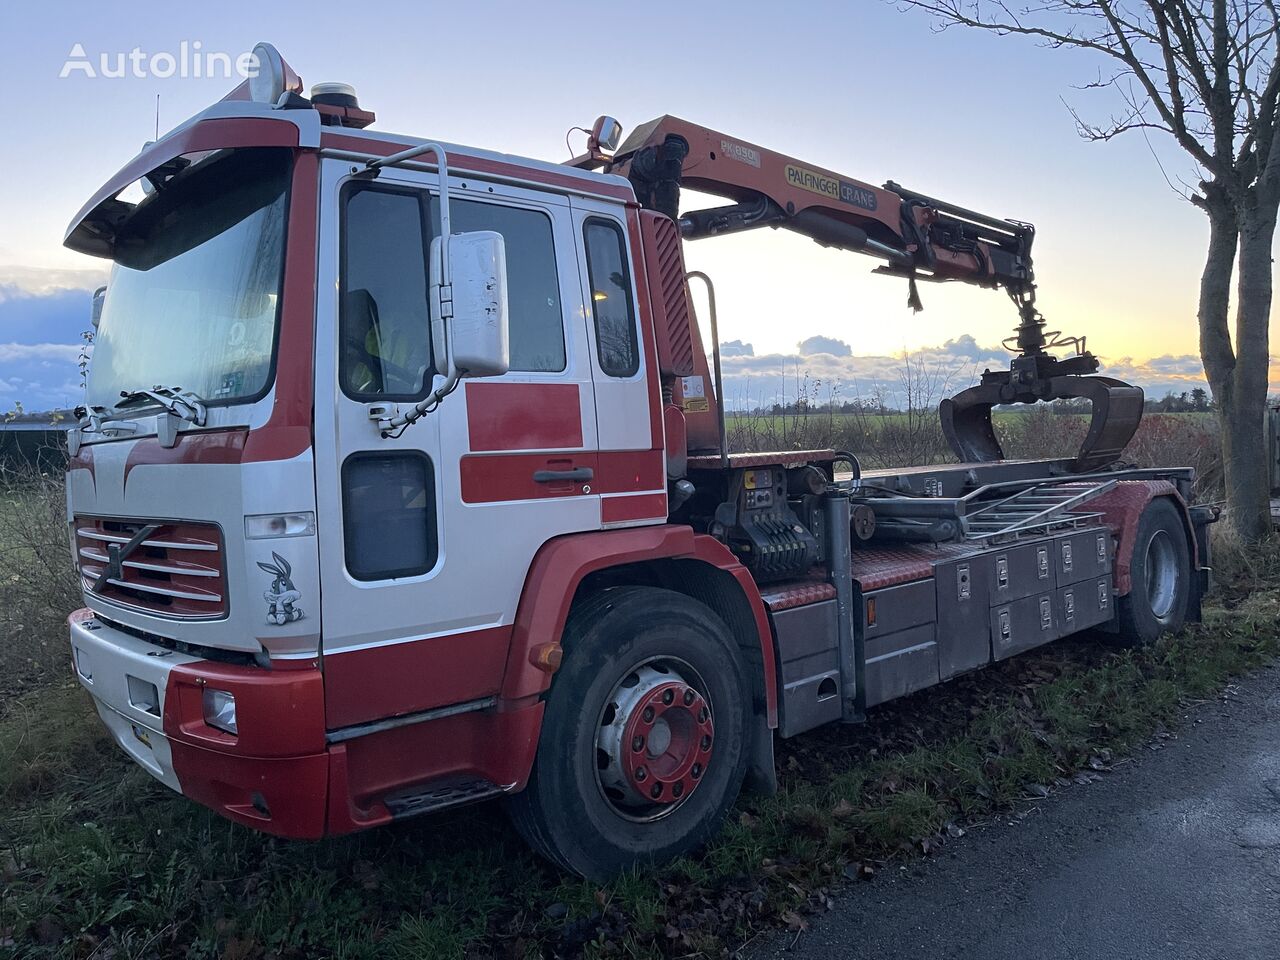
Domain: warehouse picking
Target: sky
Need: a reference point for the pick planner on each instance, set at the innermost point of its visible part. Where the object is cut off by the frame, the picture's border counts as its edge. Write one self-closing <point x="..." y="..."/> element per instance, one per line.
<point x="859" y="87"/>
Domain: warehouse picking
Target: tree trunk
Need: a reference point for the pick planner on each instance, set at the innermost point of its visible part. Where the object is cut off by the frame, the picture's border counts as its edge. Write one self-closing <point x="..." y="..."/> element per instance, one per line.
<point x="1215" y="293"/>
<point x="1215" y="335"/>
<point x="1243" y="418"/>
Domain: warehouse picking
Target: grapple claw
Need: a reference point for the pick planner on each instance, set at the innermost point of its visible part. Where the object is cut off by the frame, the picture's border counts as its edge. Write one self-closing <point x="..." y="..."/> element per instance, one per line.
<point x="966" y="423"/>
<point x="1116" y="413"/>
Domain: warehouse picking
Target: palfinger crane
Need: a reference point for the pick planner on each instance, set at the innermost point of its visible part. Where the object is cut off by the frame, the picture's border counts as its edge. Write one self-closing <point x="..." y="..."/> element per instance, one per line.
<point x="917" y="236"/>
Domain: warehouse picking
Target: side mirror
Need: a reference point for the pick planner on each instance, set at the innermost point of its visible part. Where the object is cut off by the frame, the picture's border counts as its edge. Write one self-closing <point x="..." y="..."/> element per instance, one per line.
<point x="477" y="331"/>
<point x="95" y="315"/>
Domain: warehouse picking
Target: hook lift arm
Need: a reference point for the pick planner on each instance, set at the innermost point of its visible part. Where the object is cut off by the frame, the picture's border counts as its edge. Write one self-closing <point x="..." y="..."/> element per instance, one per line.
<point x="918" y="237"/>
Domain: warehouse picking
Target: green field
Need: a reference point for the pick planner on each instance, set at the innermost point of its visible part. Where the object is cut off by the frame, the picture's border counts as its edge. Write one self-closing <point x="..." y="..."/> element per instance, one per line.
<point x="777" y="420"/>
<point x="873" y="423"/>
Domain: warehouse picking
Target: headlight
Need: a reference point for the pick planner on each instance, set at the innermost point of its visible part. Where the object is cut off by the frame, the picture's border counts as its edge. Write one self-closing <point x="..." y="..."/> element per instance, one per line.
<point x="220" y="710"/>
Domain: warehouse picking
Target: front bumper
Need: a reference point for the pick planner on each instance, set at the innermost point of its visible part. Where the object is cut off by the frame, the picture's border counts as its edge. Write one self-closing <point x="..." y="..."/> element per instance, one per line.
<point x="280" y="774"/>
<point x="273" y="776"/>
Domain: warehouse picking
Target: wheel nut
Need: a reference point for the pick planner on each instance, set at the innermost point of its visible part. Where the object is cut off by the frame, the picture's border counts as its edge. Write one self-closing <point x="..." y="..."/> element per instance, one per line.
<point x="706" y="743"/>
<point x="655" y="791"/>
<point x="641" y="773"/>
<point x="696" y="771"/>
<point x="689" y="697"/>
<point x="647" y="716"/>
<point x="677" y="790"/>
<point x="637" y="743"/>
<point x="702" y="715"/>
<point x="668" y="695"/>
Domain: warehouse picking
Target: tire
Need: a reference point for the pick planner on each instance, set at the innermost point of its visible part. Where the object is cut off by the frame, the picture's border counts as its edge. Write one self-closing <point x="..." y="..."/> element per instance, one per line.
<point x="625" y="650"/>
<point x="1160" y="576"/>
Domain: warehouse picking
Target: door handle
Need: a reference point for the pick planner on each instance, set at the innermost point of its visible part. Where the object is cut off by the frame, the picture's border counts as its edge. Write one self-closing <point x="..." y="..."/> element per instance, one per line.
<point x="576" y="475"/>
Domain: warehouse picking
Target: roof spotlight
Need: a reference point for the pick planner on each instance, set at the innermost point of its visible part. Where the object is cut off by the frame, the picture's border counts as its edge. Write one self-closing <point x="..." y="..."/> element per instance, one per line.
<point x="606" y="134"/>
<point x="274" y="76"/>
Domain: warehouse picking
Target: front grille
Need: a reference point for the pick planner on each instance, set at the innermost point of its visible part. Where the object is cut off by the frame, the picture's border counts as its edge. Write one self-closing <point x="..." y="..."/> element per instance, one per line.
<point x="176" y="571"/>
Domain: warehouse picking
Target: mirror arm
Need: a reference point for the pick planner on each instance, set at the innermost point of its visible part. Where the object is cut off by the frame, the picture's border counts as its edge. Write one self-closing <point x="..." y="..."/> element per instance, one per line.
<point x="372" y="168"/>
<point x="394" y="426"/>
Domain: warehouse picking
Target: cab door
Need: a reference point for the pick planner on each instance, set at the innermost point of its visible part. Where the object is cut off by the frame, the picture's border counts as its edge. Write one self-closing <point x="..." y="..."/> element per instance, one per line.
<point x="426" y="537"/>
<point x="632" y="460"/>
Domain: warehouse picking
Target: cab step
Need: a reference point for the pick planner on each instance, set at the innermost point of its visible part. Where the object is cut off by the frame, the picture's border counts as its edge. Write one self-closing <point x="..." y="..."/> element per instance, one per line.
<point x="441" y="795"/>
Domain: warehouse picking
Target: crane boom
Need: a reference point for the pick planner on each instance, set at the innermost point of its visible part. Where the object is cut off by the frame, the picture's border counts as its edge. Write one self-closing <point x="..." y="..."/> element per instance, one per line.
<point x="917" y="236"/>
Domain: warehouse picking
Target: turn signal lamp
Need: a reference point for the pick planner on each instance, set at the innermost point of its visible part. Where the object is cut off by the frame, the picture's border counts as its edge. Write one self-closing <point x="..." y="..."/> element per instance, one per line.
<point x="267" y="525"/>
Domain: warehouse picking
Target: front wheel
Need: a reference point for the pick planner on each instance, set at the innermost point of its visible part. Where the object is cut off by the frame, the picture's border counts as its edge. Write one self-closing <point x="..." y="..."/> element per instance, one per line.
<point x="1160" y="576"/>
<point x="642" y="748"/>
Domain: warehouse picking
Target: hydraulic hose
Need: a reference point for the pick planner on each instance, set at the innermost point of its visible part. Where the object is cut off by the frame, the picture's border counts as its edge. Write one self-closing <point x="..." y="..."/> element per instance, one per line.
<point x="852" y="461"/>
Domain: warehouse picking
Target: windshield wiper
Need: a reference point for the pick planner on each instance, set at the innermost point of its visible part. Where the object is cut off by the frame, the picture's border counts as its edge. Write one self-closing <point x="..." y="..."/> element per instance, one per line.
<point x="183" y="404"/>
<point x="96" y="419"/>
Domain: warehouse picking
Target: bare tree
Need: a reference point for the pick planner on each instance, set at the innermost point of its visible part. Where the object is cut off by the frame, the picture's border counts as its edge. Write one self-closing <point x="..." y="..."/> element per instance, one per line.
<point x="1204" y="72"/>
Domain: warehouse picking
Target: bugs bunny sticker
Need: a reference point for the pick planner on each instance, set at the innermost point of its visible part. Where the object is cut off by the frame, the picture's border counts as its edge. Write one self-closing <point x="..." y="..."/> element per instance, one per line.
<point x="282" y="594"/>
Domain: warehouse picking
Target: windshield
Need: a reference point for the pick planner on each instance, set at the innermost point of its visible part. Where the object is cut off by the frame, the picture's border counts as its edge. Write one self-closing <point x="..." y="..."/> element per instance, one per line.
<point x="194" y="293"/>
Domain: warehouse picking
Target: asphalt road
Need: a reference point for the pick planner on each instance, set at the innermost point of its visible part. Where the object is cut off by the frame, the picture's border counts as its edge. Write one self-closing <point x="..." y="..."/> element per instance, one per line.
<point x="1175" y="854"/>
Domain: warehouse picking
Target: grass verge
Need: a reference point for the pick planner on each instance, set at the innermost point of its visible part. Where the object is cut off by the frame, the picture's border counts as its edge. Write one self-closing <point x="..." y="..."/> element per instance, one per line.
<point x="38" y="586"/>
<point x="97" y="860"/>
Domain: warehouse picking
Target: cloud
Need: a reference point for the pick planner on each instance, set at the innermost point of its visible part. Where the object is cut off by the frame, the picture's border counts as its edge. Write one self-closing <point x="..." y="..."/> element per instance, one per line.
<point x="56" y="317"/>
<point x="1159" y="375"/>
<point x="1187" y="365"/>
<point x="928" y="374"/>
<point x="966" y="347"/>
<point x="736" y="348"/>
<point x="39" y="351"/>
<point x="819" y="344"/>
<point x="40" y="344"/>
<point x="18" y="281"/>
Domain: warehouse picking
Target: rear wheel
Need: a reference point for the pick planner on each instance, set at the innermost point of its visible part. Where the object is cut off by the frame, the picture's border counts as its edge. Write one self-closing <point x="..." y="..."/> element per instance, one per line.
<point x="1160" y="576"/>
<point x="643" y="739"/>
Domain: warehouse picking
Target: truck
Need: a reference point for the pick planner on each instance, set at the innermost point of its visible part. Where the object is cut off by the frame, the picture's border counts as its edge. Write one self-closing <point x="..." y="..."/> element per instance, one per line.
<point x="402" y="482"/>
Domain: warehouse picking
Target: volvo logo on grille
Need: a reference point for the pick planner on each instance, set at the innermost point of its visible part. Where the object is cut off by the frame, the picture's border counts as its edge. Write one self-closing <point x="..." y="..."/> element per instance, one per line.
<point x="117" y="554"/>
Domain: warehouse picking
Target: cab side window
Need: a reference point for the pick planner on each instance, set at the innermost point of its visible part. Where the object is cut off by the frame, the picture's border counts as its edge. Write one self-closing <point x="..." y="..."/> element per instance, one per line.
<point x="383" y="325"/>
<point x="611" y="303"/>
<point x="389" y="514"/>
<point x="533" y="285"/>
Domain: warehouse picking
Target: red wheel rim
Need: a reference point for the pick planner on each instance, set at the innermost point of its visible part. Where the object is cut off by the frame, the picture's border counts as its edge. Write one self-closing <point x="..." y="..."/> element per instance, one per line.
<point x="655" y="738"/>
<point x="667" y="741"/>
